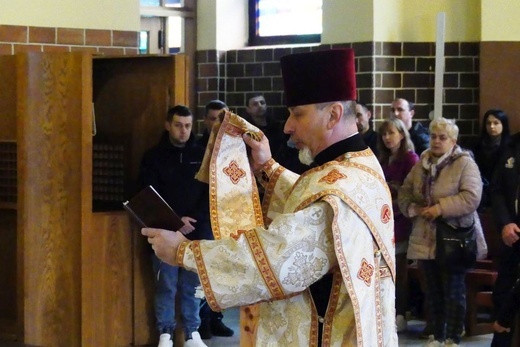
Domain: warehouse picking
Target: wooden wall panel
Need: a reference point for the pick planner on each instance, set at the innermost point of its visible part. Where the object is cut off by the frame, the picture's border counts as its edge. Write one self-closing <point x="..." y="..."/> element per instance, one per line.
<point x="181" y="79"/>
<point x="7" y="98"/>
<point x="500" y="78"/>
<point x="83" y="278"/>
<point x="110" y="240"/>
<point x="144" y="289"/>
<point x="50" y="168"/>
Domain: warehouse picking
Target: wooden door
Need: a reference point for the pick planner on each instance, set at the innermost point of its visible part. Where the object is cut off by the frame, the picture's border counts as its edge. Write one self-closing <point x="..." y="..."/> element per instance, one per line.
<point x="54" y="173"/>
<point x="131" y="98"/>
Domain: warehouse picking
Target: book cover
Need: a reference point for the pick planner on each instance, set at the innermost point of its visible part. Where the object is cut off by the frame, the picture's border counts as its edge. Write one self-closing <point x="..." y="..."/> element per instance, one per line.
<point x="150" y="210"/>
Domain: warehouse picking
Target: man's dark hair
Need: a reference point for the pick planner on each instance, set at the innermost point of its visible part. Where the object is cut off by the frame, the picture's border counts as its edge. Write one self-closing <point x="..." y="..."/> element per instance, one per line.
<point x="179" y="110"/>
<point x="363" y="105"/>
<point x="214" y="105"/>
<point x="411" y="104"/>
<point x="253" y="95"/>
<point x="366" y="108"/>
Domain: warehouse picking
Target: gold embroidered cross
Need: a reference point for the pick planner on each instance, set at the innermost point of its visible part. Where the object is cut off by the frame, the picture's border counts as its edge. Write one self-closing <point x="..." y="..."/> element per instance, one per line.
<point x="332" y="177"/>
<point x="365" y="272"/>
<point x="234" y="172"/>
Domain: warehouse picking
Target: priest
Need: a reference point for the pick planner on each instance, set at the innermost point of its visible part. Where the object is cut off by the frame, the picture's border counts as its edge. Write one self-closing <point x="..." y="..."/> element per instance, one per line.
<point x="322" y="263"/>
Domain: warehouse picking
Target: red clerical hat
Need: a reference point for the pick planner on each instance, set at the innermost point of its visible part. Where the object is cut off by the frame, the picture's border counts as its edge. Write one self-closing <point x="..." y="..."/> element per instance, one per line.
<point x="323" y="76"/>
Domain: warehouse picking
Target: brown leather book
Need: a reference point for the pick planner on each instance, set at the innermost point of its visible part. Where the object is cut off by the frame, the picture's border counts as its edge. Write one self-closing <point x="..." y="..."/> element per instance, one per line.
<point x="150" y="210"/>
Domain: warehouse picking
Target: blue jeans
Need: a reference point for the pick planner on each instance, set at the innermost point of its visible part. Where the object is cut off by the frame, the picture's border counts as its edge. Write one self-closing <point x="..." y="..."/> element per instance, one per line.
<point x="169" y="280"/>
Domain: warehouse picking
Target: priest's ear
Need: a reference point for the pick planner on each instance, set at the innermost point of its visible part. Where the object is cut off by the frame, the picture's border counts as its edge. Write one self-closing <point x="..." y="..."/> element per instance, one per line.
<point x="335" y="114"/>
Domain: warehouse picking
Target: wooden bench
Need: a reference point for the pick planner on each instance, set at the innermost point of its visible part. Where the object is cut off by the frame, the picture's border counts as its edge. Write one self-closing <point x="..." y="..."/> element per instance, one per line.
<point x="479" y="286"/>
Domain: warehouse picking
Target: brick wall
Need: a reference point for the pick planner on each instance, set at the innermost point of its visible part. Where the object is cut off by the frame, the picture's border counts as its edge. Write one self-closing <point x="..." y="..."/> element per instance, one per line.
<point x="385" y="71"/>
<point x="407" y="70"/>
<point x="15" y="38"/>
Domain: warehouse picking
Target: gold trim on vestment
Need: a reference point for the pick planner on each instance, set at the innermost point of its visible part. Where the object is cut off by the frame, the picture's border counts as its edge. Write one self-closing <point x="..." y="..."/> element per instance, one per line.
<point x="204" y="278"/>
<point x="343" y="266"/>
<point x="269" y="190"/>
<point x="337" y="280"/>
<point x="213" y="211"/>
<point x="313" y="340"/>
<point x="180" y="253"/>
<point x="263" y="265"/>
<point x="379" y="313"/>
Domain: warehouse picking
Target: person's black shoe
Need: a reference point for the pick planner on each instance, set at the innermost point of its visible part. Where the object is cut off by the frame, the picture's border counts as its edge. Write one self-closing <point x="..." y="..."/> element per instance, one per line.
<point x="220" y="329"/>
<point x="426" y="332"/>
<point x="204" y="330"/>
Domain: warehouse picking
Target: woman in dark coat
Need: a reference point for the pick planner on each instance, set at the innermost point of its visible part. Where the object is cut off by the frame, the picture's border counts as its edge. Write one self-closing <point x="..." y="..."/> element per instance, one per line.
<point x="493" y="138"/>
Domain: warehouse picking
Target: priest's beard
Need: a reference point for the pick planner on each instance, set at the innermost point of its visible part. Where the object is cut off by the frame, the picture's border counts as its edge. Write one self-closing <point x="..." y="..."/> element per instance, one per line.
<point x="305" y="156"/>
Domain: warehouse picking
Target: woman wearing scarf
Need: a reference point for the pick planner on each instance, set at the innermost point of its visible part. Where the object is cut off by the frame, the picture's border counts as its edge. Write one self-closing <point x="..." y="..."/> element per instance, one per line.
<point x="444" y="183"/>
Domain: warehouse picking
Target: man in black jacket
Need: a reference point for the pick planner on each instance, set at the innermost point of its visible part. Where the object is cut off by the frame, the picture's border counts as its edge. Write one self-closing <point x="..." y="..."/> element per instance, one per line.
<point x="505" y="190"/>
<point x="365" y="126"/>
<point x="258" y="115"/>
<point x="211" y="111"/>
<point x="170" y="167"/>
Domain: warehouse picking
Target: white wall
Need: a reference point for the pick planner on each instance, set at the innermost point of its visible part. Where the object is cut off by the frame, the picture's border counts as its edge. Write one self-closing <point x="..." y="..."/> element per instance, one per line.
<point x="206" y="25"/>
<point x="222" y="24"/>
<point x="84" y="14"/>
<point x="347" y="21"/>
<point x="232" y="24"/>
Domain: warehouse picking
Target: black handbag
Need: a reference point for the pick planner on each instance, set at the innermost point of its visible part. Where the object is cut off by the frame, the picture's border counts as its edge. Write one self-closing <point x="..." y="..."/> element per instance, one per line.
<point x="456" y="247"/>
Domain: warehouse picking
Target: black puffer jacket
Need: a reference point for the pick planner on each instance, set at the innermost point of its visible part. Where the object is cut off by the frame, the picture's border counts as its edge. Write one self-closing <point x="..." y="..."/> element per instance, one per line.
<point x="171" y="171"/>
<point x="505" y="185"/>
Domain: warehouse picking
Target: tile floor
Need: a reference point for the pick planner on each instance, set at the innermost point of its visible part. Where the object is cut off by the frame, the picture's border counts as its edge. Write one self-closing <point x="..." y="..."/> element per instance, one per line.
<point x="231" y="319"/>
<point x="410" y="338"/>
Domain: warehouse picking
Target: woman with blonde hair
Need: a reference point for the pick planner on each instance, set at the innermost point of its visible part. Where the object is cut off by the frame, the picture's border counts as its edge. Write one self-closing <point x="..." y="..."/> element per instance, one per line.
<point x="445" y="184"/>
<point x="397" y="157"/>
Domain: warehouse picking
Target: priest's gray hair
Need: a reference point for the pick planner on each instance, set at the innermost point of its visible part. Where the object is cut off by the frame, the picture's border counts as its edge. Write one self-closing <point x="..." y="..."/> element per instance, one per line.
<point x="349" y="107"/>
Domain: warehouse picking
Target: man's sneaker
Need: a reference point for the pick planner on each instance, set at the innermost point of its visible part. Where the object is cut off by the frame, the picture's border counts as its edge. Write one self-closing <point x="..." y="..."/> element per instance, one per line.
<point x="433" y="343"/>
<point x="450" y="343"/>
<point x="194" y="340"/>
<point x="218" y="328"/>
<point x="400" y="323"/>
<point x="165" y="340"/>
